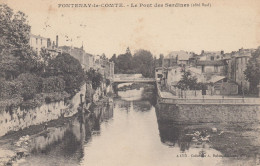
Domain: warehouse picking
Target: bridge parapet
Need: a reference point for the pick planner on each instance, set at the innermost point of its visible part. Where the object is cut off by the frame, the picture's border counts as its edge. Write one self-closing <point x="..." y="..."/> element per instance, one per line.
<point x="134" y="80"/>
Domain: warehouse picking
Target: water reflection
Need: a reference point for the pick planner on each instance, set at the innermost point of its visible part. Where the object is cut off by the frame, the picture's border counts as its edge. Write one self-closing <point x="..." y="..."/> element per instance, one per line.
<point x="67" y="142"/>
<point x="230" y="143"/>
<point x="129" y="133"/>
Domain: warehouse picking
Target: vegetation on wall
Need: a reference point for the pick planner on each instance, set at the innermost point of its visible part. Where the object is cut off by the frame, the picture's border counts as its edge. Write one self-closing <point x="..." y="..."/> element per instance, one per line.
<point x="95" y="77"/>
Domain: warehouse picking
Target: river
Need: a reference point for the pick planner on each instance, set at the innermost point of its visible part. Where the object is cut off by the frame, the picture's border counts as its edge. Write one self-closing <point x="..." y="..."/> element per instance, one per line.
<point x="126" y="133"/>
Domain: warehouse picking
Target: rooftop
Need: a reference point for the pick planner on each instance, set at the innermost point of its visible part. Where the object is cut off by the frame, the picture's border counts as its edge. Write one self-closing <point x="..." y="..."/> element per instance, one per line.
<point x="182" y="55"/>
<point x="211" y="63"/>
<point x="39" y="37"/>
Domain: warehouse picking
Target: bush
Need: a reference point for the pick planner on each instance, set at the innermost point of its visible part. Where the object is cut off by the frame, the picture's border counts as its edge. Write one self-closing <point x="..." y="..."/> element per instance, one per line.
<point x="95" y="77"/>
<point x="53" y="84"/>
<point x="70" y="69"/>
<point x="9" y="89"/>
<point x="30" y="85"/>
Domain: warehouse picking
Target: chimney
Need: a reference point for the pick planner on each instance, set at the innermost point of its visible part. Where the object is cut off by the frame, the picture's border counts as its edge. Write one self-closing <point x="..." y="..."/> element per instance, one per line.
<point x="57" y="41"/>
<point x="48" y="42"/>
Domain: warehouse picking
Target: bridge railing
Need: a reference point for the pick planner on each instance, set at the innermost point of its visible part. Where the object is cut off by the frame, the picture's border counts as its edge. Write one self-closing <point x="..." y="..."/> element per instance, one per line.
<point x="134" y="79"/>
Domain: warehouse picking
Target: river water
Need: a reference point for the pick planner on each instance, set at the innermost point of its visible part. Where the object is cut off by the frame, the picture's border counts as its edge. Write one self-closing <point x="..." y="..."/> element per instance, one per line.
<point x="127" y="133"/>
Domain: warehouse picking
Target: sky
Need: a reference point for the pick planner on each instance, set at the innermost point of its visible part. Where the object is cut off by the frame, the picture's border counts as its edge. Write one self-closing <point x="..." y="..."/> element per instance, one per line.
<point x="227" y="25"/>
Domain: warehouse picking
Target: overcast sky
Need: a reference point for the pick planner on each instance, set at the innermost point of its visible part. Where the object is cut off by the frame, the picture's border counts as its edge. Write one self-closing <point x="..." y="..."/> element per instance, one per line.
<point x="228" y="25"/>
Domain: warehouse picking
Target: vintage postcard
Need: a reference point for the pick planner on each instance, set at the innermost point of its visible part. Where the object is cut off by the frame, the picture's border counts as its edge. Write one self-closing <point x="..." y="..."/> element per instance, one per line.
<point x="130" y="83"/>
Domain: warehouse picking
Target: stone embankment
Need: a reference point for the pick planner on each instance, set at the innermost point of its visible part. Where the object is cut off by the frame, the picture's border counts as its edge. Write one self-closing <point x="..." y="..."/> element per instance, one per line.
<point x="171" y="108"/>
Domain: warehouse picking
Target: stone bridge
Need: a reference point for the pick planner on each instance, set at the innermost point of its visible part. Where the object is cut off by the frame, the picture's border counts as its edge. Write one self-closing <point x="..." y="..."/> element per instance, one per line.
<point x="131" y="78"/>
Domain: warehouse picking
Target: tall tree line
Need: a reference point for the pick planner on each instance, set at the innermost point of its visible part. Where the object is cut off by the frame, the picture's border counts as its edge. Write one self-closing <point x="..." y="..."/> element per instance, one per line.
<point x="141" y="62"/>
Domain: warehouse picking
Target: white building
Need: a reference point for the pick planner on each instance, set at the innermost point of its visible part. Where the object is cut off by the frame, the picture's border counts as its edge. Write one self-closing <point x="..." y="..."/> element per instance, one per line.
<point x="38" y="42"/>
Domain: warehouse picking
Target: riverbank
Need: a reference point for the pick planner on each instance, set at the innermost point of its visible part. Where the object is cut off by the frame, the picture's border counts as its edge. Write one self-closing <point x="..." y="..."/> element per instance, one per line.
<point x="17" y="143"/>
<point x="37" y="101"/>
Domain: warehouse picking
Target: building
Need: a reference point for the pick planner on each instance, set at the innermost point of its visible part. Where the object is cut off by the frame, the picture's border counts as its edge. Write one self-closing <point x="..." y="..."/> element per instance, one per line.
<point x="108" y="68"/>
<point x="38" y="42"/>
<point x="158" y="73"/>
<point x="223" y="86"/>
<point x="239" y="61"/>
<point x="80" y="55"/>
<point x="211" y="68"/>
<point x="211" y="55"/>
<point x="174" y="74"/>
<point x="170" y="60"/>
<point x="90" y="60"/>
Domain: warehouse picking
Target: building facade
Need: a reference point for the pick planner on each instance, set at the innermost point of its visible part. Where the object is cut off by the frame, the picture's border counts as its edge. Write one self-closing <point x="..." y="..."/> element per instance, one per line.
<point x="38" y="42"/>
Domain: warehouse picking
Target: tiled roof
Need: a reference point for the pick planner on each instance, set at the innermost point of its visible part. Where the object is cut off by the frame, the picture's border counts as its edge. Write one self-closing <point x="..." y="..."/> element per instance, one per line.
<point x="182" y="55"/>
<point x="216" y="79"/>
<point x="210" y="63"/>
<point x="39" y="37"/>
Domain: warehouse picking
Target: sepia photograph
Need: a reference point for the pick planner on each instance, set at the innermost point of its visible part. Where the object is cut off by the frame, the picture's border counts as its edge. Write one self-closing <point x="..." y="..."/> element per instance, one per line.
<point x="129" y="83"/>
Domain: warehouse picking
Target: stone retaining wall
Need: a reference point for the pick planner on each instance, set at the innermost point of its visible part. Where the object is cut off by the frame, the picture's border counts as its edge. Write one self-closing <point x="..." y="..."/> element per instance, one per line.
<point x="213" y="113"/>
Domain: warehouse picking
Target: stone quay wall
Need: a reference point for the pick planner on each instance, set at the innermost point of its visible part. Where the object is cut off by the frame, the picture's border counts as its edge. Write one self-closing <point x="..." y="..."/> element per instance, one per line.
<point x="210" y="113"/>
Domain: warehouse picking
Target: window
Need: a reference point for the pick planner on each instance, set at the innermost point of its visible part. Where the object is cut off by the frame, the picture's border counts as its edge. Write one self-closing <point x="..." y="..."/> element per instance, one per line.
<point x="212" y="58"/>
<point x="202" y="69"/>
<point x="36" y="40"/>
<point x="41" y="41"/>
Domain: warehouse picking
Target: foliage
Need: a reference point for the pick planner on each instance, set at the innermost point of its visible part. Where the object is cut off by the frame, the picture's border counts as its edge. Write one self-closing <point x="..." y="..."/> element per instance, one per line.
<point x="124" y="63"/>
<point x="53" y="84"/>
<point x="95" y="77"/>
<point x="30" y="85"/>
<point x="10" y="67"/>
<point x="14" y="101"/>
<point x="69" y="69"/>
<point x="9" y="89"/>
<point x="201" y="86"/>
<point x="16" y="56"/>
<point x="187" y="81"/>
<point x="141" y="62"/>
<point x="252" y="71"/>
<point x="15" y="32"/>
<point x="107" y="82"/>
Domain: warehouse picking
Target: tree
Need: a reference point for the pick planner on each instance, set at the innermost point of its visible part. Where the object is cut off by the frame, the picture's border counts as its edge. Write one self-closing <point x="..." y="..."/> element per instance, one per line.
<point x="15" y="32"/>
<point x="30" y="85"/>
<point x="143" y="63"/>
<point x="113" y="58"/>
<point x="124" y="63"/>
<point x="252" y="71"/>
<point x="95" y="77"/>
<point x="15" y="52"/>
<point x="69" y="68"/>
<point x="187" y="81"/>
